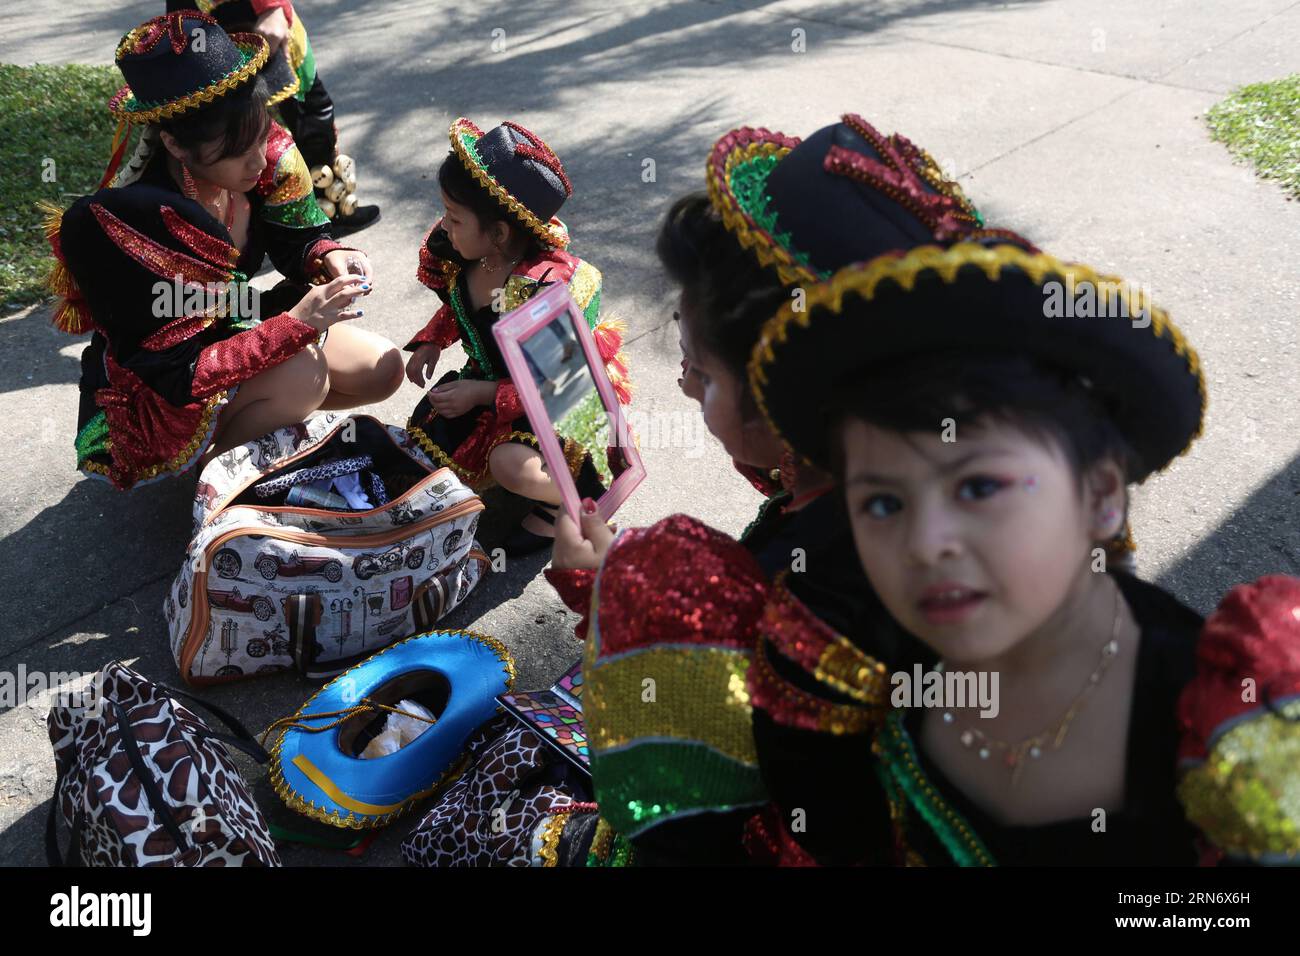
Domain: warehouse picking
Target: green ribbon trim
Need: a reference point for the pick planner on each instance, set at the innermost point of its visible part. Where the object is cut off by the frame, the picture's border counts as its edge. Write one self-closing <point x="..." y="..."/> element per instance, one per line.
<point x="749" y="185"/>
<point x="470" y="336"/>
<point x="901" y="773"/>
<point x="780" y="498"/>
<point x="93" y="438"/>
<point x="648" y="783"/>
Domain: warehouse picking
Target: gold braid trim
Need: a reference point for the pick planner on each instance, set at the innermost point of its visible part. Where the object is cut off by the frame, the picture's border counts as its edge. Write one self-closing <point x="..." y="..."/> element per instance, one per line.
<point x="279" y="96"/>
<point x="553" y="233"/>
<point x="749" y="233"/>
<point x="294" y="800"/>
<point x="862" y="281"/>
<point x="119" y="105"/>
<point x="552" y="829"/>
<point x="483" y="479"/>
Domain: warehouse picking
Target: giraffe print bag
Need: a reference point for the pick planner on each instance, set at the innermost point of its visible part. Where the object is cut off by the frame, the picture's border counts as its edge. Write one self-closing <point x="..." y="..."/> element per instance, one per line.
<point x="143" y="781"/>
<point x="268" y="586"/>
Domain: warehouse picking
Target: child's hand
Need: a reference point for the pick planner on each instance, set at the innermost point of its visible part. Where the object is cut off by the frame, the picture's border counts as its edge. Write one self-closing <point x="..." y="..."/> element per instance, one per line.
<point x="456" y="398"/>
<point x="420" y="366"/>
<point x="585" y="547"/>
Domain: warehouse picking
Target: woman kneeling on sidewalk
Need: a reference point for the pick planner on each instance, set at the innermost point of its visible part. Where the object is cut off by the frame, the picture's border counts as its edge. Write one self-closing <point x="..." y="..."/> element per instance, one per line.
<point x="182" y="365"/>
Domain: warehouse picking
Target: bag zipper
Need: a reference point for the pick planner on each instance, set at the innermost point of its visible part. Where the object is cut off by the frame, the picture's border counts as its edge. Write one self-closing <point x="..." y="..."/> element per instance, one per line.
<point x="307" y="452"/>
<point x="200" y="611"/>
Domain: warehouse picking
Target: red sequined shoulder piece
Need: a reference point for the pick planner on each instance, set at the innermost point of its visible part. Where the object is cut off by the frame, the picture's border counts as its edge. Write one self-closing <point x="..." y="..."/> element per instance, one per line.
<point x="1255" y="634"/>
<point x="157" y="258"/>
<point x="435" y="272"/>
<point x="559" y="264"/>
<point x="212" y="248"/>
<point x="678" y="582"/>
<point x="789" y="628"/>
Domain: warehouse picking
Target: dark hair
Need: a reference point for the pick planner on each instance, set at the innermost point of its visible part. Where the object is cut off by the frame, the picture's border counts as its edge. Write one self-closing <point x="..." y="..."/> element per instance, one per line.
<point x="730" y="293"/>
<point x="236" y="121"/>
<point x="461" y="187"/>
<point x="916" y="394"/>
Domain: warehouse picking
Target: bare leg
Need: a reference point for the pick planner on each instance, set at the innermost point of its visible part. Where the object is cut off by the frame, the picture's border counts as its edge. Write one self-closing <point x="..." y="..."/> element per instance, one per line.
<point x="522" y="470"/>
<point x="282" y="395"/>
<point x="364" y="367"/>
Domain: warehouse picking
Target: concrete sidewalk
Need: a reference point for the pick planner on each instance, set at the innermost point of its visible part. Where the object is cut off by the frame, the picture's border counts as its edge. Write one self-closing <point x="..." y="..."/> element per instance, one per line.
<point x="1077" y="122"/>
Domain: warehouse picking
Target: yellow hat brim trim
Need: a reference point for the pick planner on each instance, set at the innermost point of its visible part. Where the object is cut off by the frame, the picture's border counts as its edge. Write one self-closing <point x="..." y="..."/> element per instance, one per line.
<point x="742" y="226"/>
<point x="119" y="104"/>
<point x="862" y="280"/>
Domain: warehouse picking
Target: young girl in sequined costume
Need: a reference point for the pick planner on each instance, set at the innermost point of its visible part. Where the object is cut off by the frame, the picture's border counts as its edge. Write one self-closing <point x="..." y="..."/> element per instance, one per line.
<point x="498" y="244"/>
<point x="695" y="613"/>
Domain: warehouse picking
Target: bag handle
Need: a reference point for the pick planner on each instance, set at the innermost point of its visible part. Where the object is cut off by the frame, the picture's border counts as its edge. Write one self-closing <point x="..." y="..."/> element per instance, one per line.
<point x="160" y="807"/>
<point x="242" y="739"/>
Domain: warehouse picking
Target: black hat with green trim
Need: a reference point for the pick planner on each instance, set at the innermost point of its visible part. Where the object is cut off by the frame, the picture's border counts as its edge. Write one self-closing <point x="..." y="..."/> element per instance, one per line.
<point x="181" y="61"/>
<point x="975" y="297"/>
<point x="520" y="172"/>
<point x="845" y="194"/>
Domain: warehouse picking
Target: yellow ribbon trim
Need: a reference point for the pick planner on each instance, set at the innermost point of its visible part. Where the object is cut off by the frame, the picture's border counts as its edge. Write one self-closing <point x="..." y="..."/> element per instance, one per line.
<point x="250" y="68"/>
<point x="317" y="776"/>
<point x="739" y="223"/>
<point x="862" y="280"/>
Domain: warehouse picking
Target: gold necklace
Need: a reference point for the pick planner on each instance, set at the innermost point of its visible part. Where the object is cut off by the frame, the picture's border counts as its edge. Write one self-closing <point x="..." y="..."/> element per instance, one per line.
<point x="1033" y="747"/>
<point x="482" y="263"/>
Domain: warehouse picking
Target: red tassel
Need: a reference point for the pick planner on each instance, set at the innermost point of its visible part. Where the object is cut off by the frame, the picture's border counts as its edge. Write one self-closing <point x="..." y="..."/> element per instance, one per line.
<point x="609" y="338"/>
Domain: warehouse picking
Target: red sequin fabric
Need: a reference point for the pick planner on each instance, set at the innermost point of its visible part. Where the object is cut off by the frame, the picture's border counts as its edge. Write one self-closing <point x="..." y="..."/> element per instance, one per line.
<point x="245" y="354"/>
<point x="679" y="582"/>
<point x="769" y="843"/>
<point x="158" y="259"/>
<point x="1254" y="634"/>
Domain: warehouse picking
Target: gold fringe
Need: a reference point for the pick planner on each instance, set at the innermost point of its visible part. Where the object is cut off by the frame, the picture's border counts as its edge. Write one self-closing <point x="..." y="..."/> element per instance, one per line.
<point x="71" y="314"/>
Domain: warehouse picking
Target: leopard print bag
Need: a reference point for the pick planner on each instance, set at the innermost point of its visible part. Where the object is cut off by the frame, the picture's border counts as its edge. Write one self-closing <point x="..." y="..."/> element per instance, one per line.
<point x="143" y="781"/>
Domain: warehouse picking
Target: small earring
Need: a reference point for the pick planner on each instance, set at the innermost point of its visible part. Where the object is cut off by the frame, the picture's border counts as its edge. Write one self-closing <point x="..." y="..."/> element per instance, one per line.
<point x="1108" y="515"/>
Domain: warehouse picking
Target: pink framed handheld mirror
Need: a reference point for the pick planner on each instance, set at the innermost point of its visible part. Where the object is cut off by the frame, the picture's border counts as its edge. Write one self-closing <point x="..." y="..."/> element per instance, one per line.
<point x="566" y="393"/>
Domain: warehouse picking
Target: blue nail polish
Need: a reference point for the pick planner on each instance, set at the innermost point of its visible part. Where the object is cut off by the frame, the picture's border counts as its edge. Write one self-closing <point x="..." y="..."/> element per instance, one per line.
<point x="365" y="286"/>
<point x="361" y="311"/>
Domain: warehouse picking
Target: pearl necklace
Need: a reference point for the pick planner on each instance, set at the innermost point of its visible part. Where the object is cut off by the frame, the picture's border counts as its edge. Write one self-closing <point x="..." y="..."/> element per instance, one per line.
<point x="1032" y="747"/>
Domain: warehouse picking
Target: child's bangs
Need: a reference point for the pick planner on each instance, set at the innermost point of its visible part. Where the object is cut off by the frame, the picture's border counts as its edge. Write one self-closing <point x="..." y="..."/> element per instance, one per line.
<point x="924" y="393"/>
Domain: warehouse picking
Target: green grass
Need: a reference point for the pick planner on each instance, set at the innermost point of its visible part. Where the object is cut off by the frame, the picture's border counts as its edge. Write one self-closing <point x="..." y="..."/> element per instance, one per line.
<point x="47" y="113"/>
<point x="1261" y="123"/>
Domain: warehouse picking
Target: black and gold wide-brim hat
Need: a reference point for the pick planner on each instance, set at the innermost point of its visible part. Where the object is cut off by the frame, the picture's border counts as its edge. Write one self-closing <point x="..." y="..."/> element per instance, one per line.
<point x="280" y="74"/>
<point x="973" y="297"/>
<point x="521" y="173"/>
<point x="845" y="194"/>
<point x="182" y="61"/>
